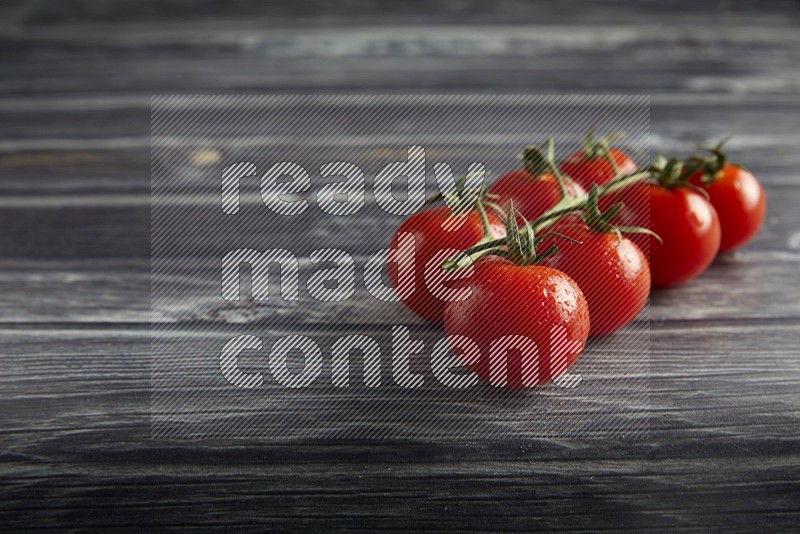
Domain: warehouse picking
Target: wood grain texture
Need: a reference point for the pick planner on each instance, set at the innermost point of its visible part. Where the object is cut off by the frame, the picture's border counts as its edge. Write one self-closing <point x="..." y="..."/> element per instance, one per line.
<point x="723" y="447"/>
<point x="715" y="437"/>
<point x="745" y="285"/>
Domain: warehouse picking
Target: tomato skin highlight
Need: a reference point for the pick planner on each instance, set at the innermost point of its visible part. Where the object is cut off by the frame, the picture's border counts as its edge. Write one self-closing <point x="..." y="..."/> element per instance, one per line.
<point x="430" y="238"/>
<point x="613" y="274"/>
<point x="598" y="170"/>
<point x="531" y="195"/>
<point x="686" y="222"/>
<point x="530" y="301"/>
<point x="740" y="202"/>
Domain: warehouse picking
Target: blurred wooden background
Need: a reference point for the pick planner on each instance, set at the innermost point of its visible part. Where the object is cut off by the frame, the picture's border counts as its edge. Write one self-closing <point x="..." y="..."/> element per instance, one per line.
<point x="77" y="78"/>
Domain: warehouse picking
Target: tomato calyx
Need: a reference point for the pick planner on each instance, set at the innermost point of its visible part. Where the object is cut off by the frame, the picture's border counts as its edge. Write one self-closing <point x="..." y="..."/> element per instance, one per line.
<point x="461" y="197"/>
<point x="672" y="173"/>
<point x="600" y="222"/>
<point x="520" y="242"/>
<point x="600" y="148"/>
<point x="518" y="246"/>
<point x="579" y="204"/>
<point x="487" y="242"/>
<point x="710" y="166"/>
<point x="541" y="163"/>
<point x="594" y="218"/>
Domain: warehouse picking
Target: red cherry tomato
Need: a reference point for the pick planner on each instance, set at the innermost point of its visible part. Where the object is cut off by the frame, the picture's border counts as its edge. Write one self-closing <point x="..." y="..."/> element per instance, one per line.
<point x="686" y="222"/>
<point x="536" y="312"/>
<point x="531" y="195"/>
<point x="430" y="237"/>
<point x="740" y="203"/>
<point x="612" y="273"/>
<point x="587" y="170"/>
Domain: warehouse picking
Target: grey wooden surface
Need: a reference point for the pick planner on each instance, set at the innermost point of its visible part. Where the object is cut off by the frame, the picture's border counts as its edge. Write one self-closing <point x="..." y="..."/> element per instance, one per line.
<point x="724" y="446"/>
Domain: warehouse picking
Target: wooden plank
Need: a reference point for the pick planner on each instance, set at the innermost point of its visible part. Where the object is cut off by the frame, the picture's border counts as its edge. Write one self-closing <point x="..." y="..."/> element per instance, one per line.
<point x="756" y="123"/>
<point x="280" y="14"/>
<point x="78" y="449"/>
<point x="88" y="150"/>
<point x="75" y="447"/>
<point x="74" y="188"/>
<point x="122" y="228"/>
<point x="161" y="74"/>
<point x="750" y="284"/>
<point x="675" y="54"/>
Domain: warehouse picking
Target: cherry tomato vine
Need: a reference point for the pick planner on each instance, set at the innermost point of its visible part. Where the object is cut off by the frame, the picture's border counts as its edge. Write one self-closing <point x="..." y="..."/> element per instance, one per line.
<point x="575" y="246"/>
